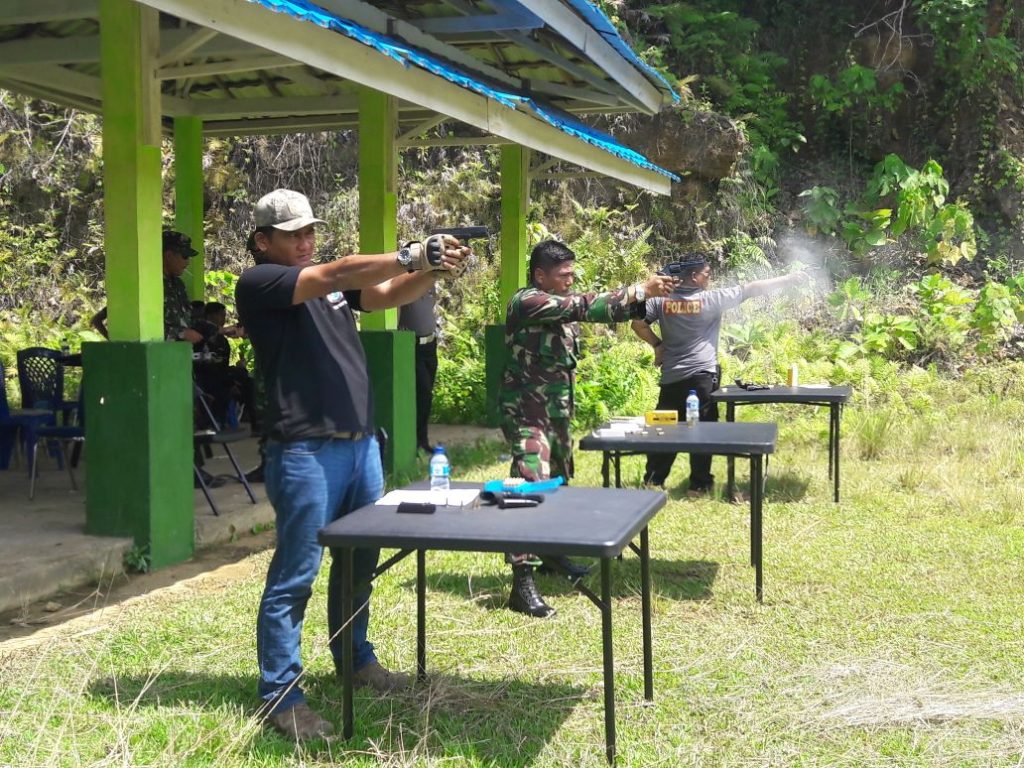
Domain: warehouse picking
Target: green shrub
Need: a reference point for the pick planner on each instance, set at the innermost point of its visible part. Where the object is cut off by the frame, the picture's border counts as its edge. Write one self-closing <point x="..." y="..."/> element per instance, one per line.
<point x="614" y="378"/>
<point x="460" y="391"/>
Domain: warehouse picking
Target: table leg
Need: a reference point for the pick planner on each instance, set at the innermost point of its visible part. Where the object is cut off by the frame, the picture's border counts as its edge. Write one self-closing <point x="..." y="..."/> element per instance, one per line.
<point x="421" y="615"/>
<point x="730" y="415"/>
<point x="645" y="596"/>
<point x="757" y="531"/>
<point x="837" y="409"/>
<point x="346" y="640"/>
<point x="618" y="469"/>
<point x="605" y="476"/>
<point x="831" y="440"/>
<point x="609" y="667"/>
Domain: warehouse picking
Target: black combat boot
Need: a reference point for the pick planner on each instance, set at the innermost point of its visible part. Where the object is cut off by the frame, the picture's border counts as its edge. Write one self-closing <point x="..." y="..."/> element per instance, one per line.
<point x="525" y="597"/>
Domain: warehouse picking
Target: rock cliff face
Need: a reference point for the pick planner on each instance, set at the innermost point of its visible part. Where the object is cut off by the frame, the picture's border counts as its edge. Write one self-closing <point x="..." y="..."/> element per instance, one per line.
<point x="689" y="143"/>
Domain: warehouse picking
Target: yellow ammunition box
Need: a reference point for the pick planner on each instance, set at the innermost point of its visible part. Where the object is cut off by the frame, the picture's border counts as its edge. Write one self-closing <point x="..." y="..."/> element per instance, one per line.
<point x="661" y="417"/>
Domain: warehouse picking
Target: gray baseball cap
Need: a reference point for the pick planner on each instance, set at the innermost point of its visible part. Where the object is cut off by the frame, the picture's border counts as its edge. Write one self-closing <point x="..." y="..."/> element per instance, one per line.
<point x="284" y="209"/>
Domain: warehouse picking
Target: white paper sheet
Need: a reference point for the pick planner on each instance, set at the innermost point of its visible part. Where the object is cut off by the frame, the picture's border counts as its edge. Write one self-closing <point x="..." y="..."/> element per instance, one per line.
<point x="455" y="497"/>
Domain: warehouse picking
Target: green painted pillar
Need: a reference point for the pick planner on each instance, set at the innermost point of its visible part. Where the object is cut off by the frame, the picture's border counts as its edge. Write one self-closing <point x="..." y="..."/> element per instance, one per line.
<point x="515" y="204"/>
<point x="138" y="387"/>
<point x="138" y="417"/>
<point x="389" y="352"/>
<point x="188" y="197"/>
<point x="389" y="355"/>
<point x="378" y="174"/>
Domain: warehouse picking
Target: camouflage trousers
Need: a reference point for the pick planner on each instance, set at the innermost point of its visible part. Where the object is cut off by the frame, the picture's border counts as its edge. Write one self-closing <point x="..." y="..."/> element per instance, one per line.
<point x="540" y="450"/>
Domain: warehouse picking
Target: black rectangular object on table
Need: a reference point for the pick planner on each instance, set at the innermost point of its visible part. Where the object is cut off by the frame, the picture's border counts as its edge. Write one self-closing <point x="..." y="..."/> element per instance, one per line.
<point x="749" y="439"/>
<point x="834" y="398"/>
<point x="595" y="522"/>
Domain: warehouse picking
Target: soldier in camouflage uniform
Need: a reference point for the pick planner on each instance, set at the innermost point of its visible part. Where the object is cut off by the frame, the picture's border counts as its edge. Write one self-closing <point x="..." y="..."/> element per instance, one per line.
<point x="177" y="306"/>
<point x="536" y="396"/>
<point x="177" y="250"/>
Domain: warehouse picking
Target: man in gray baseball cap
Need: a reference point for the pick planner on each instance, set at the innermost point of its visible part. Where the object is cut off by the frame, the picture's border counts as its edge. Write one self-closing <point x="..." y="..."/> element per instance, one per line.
<point x="322" y="456"/>
<point x="284" y="209"/>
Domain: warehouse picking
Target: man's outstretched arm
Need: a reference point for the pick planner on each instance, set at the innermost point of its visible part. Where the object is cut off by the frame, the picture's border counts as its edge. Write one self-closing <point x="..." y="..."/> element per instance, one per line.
<point x="773" y="284"/>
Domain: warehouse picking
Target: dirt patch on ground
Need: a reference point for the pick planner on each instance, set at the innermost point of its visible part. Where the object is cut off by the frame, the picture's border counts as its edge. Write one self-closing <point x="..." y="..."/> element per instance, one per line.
<point x="80" y="610"/>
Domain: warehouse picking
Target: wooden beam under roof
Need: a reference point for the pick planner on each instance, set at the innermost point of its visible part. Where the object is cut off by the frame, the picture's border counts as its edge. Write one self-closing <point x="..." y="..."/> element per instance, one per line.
<point x="175" y="53"/>
<point x="592" y="44"/>
<point x="47" y="11"/>
<point x="227" y="67"/>
<point x="273" y="126"/>
<point x="41" y="92"/>
<point x="381" y="23"/>
<point x="556" y="59"/>
<point x="351" y="60"/>
<point x="272" y="106"/>
<point x="515" y="18"/>
<point x="85" y="49"/>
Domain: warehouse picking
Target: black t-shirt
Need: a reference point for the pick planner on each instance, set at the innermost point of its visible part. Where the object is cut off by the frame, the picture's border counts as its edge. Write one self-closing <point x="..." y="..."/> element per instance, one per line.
<point x="309" y="354"/>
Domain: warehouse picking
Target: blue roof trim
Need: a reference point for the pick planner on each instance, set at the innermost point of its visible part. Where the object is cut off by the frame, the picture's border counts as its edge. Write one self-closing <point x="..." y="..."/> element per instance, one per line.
<point x="307" y="11"/>
<point x="597" y="19"/>
<point x="574" y="127"/>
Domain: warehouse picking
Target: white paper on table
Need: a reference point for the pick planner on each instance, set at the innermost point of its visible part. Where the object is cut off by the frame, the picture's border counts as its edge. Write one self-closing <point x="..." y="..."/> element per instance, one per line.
<point x="454" y="497"/>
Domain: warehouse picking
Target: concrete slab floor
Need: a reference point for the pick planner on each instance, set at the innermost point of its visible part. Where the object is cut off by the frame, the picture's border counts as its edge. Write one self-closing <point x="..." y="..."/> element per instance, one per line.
<point x="44" y="549"/>
<point x="43" y="545"/>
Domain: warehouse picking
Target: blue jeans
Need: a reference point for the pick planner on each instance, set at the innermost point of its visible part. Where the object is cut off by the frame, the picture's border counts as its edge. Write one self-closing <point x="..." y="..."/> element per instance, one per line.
<point x="312" y="483"/>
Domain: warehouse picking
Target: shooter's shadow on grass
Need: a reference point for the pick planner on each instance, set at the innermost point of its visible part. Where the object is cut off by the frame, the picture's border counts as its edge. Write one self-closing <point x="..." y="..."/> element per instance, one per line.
<point x="672" y="579"/>
<point x="487" y="722"/>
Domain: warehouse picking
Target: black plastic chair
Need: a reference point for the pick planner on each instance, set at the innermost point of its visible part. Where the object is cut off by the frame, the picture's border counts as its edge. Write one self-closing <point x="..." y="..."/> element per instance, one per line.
<point x="215" y="435"/>
<point x="41" y="378"/>
<point x="63" y="435"/>
<point x="18" y="427"/>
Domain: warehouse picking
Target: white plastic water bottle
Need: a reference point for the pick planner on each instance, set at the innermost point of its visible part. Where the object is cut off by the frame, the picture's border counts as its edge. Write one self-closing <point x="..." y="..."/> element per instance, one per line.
<point x="440" y="470"/>
<point x="692" y="408"/>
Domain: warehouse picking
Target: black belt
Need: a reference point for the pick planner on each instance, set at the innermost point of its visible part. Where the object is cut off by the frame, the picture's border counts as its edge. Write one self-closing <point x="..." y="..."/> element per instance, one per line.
<point x="349" y="435"/>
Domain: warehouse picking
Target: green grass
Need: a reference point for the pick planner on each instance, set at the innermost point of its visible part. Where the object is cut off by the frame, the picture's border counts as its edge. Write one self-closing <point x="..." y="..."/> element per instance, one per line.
<point x="890" y="634"/>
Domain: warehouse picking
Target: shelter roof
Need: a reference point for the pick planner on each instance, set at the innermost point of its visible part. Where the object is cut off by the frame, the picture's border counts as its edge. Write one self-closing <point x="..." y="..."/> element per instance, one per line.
<point x="244" y="71"/>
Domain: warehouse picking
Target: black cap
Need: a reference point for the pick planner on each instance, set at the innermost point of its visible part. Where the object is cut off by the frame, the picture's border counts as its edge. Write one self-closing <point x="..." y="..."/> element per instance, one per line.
<point x="687" y="262"/>
<point x="179" y="243"/>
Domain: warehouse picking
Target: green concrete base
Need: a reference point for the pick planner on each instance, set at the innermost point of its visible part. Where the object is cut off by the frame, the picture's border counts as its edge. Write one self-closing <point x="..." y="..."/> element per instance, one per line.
<point x="390" y="356"/>
<point x="138" y="419"/>
<point x="496" y="353"/>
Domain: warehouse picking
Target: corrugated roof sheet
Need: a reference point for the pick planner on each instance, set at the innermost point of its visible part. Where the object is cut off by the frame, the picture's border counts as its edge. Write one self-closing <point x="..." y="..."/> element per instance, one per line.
<point x="597" y="19"/>
<point x="406" y="55"/>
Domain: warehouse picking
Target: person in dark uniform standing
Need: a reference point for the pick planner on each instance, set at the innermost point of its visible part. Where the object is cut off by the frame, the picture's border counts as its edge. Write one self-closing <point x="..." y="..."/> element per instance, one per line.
<point x="687" y="351"/>
<point x="322" y="455"/>
<point x="420" y="317"/>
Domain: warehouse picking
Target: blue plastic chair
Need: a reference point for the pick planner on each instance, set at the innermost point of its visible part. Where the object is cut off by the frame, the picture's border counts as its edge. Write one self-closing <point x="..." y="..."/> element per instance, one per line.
<point x="19" y="426"/>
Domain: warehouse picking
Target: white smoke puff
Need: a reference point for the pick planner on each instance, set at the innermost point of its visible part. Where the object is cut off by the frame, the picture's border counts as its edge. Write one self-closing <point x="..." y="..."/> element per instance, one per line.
<point x="798" y="250"/>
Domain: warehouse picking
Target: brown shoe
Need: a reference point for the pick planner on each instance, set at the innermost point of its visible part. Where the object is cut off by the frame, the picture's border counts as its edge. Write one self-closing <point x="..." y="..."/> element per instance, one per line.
<point x="300" y="723"/>
<point x="374" y="676"/>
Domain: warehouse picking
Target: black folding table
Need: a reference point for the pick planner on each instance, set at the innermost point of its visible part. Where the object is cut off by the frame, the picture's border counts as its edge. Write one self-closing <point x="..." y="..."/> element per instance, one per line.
<point x="755" y="441"/>
<point x="832" y="397"/>
<point x="591" y="522"/>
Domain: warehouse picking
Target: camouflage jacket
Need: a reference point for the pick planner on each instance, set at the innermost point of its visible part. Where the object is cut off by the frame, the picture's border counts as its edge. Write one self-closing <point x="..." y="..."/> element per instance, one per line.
<point x="542" y="335"/>
<point x="177" y="308"/>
